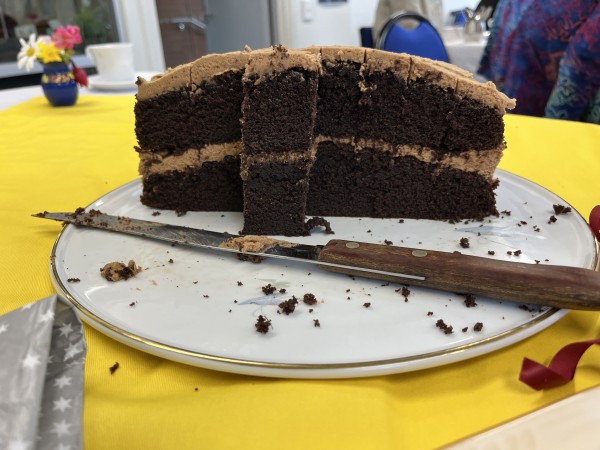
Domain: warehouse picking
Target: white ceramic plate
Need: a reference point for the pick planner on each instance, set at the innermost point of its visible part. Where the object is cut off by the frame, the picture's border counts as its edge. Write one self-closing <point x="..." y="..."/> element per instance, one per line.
<point x="200" y="307"/>
<point x="98" y="84"/>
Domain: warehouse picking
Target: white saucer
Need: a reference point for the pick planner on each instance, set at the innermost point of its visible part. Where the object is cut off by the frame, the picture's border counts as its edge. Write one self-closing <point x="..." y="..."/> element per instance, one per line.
<point x="97" y="83"/>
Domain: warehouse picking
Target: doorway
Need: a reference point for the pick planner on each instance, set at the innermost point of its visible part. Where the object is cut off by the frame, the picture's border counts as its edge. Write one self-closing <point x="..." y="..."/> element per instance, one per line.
<point x="182" y="29"/>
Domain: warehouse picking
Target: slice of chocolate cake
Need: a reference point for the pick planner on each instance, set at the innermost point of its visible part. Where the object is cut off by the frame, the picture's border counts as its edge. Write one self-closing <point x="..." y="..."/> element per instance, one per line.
<point x="188" y="131"/>
<point x="328" y="131"/>
<point x="278" y="116"/>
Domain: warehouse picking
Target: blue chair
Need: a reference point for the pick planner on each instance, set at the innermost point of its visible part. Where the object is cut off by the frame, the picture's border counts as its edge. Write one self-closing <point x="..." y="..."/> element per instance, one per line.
<point x="422" y="40"/>
<point x="366" y="37"/>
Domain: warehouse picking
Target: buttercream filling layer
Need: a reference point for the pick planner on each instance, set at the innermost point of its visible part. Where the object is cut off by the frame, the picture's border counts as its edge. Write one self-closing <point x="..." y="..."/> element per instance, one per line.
<point x="154" y="163"/>
<point x="480" y="162"/>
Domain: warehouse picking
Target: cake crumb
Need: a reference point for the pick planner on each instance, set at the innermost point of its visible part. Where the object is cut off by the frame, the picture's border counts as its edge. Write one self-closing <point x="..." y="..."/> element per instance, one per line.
<point x="117" y="271"/>
<point x="73" y="280"/>
<point x="318" y="222"/>
<point x="268" y="289"/>
<point x="526" y="308"/>
<point x="404" y="292"/>
<point x="470" y="301"/>
<point x="309" y="299"/>
<point x="478" y="326"/>
<point x="113" y="368"/>
<point x="464" y="243"/>
<point x="386" y="242"/>
<point x="447" y="329"/>
<point x="262" y="324"/>
<point x="552" y="219"/>
<point x="239" y="283"/>
<point x="367" y="305"/>
<point x="561" y="209"/>
<point x="316" y="323"/>
<point x="289" y="306"/>
<point x="491" y="252"/>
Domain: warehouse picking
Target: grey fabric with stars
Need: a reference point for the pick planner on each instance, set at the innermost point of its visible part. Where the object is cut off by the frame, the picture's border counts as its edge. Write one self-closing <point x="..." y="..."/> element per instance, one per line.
<point x="42" y="352"/>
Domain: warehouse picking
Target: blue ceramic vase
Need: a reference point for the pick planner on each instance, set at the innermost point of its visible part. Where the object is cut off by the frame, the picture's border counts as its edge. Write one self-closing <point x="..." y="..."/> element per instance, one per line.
<point x="58" y="84"/>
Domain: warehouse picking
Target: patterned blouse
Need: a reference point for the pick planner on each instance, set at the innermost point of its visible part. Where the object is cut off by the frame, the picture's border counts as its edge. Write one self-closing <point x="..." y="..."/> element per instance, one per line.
<point x="546" y="54"/>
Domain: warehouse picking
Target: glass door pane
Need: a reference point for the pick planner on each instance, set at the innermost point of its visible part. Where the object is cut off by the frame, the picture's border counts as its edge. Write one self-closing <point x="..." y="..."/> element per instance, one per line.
<point x="97" y="19"/>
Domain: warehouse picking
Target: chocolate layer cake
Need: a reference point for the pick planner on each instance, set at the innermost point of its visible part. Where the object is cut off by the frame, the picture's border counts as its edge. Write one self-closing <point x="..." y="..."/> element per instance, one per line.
<point x="328" y="131"/>
<point x="187" y="123"/>
<point x="278" y="120"/>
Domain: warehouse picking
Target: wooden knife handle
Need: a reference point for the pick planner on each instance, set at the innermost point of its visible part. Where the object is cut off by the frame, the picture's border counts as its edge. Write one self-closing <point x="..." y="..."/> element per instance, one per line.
<point x="558" y="286"/>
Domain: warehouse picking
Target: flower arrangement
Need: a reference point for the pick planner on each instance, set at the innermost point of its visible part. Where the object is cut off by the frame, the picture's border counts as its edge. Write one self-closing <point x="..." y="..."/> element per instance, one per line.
<point x="55" y="48"/>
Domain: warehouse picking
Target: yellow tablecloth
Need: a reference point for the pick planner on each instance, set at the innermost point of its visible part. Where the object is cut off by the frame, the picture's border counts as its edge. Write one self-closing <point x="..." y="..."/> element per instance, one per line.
<point x="62" y="158"/>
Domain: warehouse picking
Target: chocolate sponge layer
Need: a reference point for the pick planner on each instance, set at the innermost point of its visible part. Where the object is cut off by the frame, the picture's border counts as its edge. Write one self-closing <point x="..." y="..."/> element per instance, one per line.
<point x="371" y="183"/>
<point x="338" y="100"/>
<point x="275" y="198"/>
<point x="192" y="117"/>
<point x="278" y="112"/>
<point x="419" y="113"/>
<point x="215" y="186"/>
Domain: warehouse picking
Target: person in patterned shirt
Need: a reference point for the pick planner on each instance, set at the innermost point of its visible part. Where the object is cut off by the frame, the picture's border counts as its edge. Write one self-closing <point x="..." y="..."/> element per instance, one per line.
<point x="547" y="56"/>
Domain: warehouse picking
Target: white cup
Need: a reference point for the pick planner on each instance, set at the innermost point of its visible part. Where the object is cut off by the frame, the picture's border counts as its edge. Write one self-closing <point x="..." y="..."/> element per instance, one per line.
<point x="114" y="61"/>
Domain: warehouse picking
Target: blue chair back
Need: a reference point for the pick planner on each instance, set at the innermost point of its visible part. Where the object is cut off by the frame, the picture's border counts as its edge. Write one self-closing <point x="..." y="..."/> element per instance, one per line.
<point x="424" y="40"/>
<point x="366" y="37"/>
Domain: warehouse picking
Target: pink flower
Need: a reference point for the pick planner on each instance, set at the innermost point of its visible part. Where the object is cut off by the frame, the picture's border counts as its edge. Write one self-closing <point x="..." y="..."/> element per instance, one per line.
<point x="66" y="37"/>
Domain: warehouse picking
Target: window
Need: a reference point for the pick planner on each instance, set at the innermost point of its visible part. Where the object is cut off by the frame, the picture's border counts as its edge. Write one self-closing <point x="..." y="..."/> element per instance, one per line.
<point x="97" y="20"/>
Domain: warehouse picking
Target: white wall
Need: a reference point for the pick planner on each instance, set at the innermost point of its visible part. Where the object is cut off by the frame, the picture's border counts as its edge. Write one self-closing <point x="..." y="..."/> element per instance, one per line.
<point x="302" y="23"/>
<point x="362" y="13"/>
<point x="140" y="26"/>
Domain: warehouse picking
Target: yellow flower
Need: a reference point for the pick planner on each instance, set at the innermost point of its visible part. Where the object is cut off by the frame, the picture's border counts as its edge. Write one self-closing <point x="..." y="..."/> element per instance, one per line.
<point x="48" y="53"/>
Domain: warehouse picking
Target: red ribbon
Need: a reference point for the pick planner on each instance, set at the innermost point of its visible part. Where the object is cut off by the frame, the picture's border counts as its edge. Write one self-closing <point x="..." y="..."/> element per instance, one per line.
<point x="561" y="369"/>
<point x="595" y="221"/>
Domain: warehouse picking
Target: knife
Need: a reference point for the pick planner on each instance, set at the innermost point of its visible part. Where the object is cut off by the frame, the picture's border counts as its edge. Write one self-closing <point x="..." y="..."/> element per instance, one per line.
<point x="548" y="285"/>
